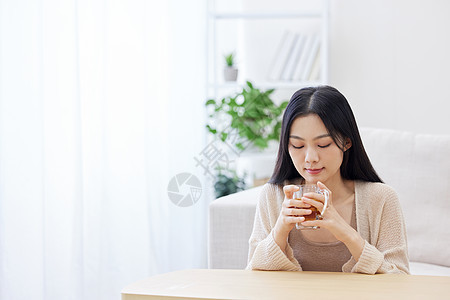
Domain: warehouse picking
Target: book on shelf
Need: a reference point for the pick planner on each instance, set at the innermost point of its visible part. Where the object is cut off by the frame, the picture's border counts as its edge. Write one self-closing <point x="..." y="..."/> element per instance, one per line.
<point x="311" y="57"/>
<point x="281" y="55"/>
<point x="303" y="67"/>
<point x="293" y="59"/>
<point x="296" y="58"/>
<point x="314" y="75"/>
<point x="299" y="67"/>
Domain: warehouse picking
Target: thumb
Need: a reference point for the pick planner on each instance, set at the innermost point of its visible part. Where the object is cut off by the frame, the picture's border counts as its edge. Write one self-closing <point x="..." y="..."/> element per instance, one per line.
<point x="289" y="190"/>
<point x="327" y="195"/>
<point x="322" y="186"/>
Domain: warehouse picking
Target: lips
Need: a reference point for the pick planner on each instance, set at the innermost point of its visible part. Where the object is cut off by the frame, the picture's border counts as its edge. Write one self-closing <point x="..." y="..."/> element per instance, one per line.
<point x="314" y="171"/>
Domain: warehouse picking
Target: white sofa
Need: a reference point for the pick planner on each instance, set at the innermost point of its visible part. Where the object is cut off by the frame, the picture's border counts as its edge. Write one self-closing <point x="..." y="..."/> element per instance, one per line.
<point x="417" y="166"/>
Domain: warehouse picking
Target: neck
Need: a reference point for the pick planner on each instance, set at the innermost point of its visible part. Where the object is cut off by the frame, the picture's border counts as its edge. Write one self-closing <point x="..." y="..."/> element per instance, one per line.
<point x="341" y="188"/>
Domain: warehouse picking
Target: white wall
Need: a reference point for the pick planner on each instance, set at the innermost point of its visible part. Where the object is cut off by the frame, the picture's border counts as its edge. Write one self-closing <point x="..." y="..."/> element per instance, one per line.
<point x="391" y="59"/>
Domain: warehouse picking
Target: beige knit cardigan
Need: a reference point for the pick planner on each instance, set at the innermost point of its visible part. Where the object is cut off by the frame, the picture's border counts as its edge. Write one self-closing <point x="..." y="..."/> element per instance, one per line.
<point x="379" y="221"/>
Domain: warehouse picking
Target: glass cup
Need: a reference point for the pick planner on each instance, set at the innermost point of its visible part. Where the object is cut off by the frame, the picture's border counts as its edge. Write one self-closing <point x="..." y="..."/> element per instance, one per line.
<point x="315" y="214"/>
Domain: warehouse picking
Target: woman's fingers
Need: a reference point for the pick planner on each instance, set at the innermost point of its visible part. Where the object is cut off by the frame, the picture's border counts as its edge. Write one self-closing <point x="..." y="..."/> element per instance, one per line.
<point x="315" y="223"/>
<point x="314" y="196"/>
<point x="295" y="219"/>
<point x="317" y="203"/>
<point x="323" y="186"/>
<point x="328" y="194"/>
<point x="292" y="203"/>
<point x="289" y="190"/>
<point x="297" y="212"/>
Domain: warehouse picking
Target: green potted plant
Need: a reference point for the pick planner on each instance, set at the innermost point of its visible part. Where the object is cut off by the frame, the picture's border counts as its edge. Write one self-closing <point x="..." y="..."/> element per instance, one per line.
<point x="230" y="72"/>
<point x="251" y="113"/>
<point x="227" y="182"/>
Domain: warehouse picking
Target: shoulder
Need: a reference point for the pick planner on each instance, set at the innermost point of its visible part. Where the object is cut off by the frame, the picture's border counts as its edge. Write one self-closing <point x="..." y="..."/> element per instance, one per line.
<point x="377" y="207"/>
<point x="374" y="188"/>
<point x="375" y="194"/>
<point x="270" y="201"/>
<point x="271" y="192"/>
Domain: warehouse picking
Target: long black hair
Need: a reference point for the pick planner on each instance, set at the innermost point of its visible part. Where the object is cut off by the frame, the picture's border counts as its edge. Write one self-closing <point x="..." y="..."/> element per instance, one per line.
<point x="337" y="116"/>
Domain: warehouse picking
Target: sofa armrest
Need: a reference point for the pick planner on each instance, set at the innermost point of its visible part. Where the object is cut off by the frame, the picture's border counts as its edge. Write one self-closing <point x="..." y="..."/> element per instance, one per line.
<point x="230" y="226"/>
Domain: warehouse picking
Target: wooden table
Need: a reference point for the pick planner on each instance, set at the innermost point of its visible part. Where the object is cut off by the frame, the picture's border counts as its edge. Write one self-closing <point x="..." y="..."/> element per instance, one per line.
<point x="241" y="284"/>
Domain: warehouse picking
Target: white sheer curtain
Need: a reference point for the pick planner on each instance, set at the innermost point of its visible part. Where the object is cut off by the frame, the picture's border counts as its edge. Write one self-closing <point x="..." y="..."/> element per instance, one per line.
<point x="101" y="104"/>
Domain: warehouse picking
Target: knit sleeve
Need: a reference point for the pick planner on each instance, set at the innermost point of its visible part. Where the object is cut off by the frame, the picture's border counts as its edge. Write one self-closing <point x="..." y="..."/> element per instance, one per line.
<point x="387" y="251"/>
<point x="264" y="252"/>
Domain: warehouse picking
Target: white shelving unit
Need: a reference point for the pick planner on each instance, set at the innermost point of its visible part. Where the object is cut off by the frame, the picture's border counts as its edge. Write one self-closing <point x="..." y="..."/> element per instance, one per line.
<point x="254" y="48"/>
<point x="215" y="82"/>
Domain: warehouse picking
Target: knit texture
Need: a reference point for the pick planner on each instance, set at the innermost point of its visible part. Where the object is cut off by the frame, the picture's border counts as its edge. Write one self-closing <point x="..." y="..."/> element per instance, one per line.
<point x="320" y="256"/>
<point x="379" y="221"/>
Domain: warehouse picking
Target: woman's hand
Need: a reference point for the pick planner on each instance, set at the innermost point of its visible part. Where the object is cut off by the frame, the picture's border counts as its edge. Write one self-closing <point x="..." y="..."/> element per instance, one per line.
<point x="333" y="222"/>
<point x="292" y="211"/>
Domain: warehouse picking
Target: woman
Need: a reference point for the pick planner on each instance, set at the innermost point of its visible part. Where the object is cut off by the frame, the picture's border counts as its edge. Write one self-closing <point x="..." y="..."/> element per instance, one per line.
<point x="362" y="229"/>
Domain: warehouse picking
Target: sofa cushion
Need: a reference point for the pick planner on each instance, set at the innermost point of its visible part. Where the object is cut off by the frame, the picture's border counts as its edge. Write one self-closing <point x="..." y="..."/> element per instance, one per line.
<point x="230" y="226"/>
<point x="417" y="166"/>
<point x="417" y="268"/>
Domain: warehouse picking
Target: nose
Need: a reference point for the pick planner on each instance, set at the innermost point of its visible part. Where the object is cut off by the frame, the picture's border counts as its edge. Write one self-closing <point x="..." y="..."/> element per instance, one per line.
<point x="311" y="156"/>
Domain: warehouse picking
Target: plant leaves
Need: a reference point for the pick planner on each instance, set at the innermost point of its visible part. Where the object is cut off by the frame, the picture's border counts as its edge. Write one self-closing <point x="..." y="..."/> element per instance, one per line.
<point x="284" y="104"/>
<point x="239" y="146"/>
<point x="210" y="129"/>
<point x="261" y="143"/>
<point x="223" y="136"/>
<point x="268" y="92"/>
<point x="252" y="113"/>
<point x="210" y="101"/>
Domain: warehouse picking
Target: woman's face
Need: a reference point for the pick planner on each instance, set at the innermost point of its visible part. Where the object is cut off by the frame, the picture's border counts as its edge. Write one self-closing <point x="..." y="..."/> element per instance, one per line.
<point x="314" y="153"/>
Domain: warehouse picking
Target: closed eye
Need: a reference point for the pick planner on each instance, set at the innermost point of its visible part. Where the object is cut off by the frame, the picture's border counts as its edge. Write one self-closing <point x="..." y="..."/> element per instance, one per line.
<point x="324" y="146"/>
<point x="297" y="147"/>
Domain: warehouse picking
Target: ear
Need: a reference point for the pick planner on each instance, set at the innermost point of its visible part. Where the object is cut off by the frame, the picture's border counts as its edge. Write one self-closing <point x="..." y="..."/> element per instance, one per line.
<point x="348" y="144"/>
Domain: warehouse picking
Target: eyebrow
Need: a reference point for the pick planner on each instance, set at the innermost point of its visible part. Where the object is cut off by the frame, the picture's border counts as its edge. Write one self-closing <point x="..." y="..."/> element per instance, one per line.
<point x="316" y="138"/>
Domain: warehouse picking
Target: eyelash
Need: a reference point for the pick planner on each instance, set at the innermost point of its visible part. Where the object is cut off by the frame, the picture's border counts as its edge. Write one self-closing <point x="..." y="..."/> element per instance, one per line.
<point x="325" y="146"/>
<point x="318" y="146"/>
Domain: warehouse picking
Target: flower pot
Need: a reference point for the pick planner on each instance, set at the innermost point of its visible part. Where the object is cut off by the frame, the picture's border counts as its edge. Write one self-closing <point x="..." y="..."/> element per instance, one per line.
<point x="230" y="73"/>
